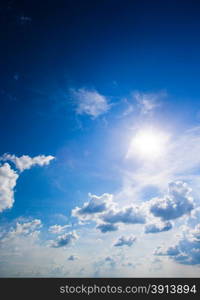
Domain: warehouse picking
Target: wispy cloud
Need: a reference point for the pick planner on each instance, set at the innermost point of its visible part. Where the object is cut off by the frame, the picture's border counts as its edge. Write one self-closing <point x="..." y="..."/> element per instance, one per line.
<point x="187" y="249"/>
<point x="174" y="205"/>
<point x="90" y="102"/>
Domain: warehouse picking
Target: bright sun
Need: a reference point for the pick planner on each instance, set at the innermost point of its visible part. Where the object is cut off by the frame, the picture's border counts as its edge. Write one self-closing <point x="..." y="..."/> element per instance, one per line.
<point x="148" y="144"/>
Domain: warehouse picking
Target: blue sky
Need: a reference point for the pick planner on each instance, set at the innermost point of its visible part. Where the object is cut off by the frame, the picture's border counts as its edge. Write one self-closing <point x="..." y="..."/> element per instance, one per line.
<point x="100" y="139"/>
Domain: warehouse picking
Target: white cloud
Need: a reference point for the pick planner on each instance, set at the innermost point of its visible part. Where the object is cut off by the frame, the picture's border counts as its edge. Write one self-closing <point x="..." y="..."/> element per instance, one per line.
<point x="127" y="215"/>
<point x="125" y="241"/>
<point x="64" y="240"/>
<point x="90" y="102"/>
<point x="95" y="206"/>
<point x="187" y="249"/>
<point x="8" y="179"/>
<point x="28" y="229"/>
<point x="8" y="176"/>
<point x="57" y="229"/>
<point x="107" y="227"/>
<point x="25" y="162"/>
<point x="177" y="203"/>
<point x="72" y="257"/>
<point x="147" y="102"/>
<point x="158" y="227"/>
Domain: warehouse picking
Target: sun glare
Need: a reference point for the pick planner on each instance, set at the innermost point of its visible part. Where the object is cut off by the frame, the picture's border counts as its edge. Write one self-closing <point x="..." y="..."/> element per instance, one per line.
<point x="148" y="144"/>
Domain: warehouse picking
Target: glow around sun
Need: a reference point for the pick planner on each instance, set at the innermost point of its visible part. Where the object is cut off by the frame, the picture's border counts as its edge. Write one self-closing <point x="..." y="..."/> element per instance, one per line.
<point x="148" y="144"/>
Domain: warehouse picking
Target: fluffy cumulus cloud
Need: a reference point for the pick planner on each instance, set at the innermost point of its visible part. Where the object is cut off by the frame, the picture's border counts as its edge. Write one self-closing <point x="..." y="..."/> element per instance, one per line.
<point x="29" y="230"/>
<point x="126" y="215"/>
<point x="90" y="102"/>
<point x="8" y="179"/>
<point x="106" y="213"/>
<point x="8" y="176"/>
<point x="157" y="227"/>
<point x="25" y="162"/>
<point x="125" y="241"/>
<point x="187" y="249"/>
<point x="106" y="227"/>
<point x="177" y="203"/>
<point x="64" y="240"/>
<point x="57" y="229"/>
<point x="95" y="206"/>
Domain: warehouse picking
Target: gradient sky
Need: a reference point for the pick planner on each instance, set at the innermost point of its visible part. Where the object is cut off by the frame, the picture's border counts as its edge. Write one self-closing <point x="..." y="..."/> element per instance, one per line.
<point x="100" y="138"/>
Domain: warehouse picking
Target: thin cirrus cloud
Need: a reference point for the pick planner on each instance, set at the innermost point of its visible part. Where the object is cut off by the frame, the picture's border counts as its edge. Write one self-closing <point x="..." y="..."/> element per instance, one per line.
<point x="90" y="102"/>
<point x="8" y="176"/>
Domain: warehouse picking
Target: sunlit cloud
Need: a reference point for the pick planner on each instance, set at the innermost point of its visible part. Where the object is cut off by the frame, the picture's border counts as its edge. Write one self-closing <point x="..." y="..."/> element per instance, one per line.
<point x="125" y="241"/>
<point x="8" y="180"/>
<point x="90" y="102"/>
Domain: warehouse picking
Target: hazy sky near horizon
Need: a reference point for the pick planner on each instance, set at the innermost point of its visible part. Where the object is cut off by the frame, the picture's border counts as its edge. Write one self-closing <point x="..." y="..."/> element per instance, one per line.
<point x="100" y="139"/>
